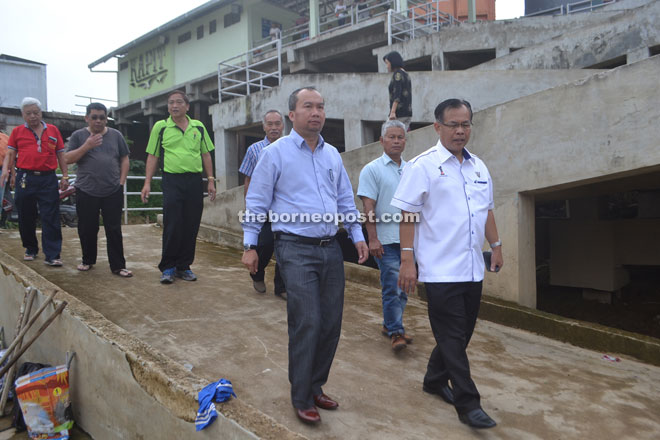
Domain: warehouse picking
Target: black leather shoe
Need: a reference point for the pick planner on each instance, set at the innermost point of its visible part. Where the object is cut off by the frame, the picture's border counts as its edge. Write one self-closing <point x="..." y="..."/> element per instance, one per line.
<point x="477" y="418"/>
<point x="444" y="392"/>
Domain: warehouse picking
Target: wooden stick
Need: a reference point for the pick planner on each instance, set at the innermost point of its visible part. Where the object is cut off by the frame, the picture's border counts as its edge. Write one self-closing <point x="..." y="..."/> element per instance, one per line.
<point x="25" y="315"/>
<point x="34" y="338"/>
<point x="27" y="327"/>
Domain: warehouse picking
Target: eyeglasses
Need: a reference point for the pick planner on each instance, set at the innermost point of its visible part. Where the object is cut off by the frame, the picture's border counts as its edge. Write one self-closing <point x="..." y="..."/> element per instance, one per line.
<point x="178" y="101"/>
<point x="97" y="117"/>
<point x="453" y="126"/>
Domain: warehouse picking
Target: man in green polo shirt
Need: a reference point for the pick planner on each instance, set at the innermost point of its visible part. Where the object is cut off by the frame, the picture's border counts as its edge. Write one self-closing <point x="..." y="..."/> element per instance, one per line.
<point x="185" y="147"/>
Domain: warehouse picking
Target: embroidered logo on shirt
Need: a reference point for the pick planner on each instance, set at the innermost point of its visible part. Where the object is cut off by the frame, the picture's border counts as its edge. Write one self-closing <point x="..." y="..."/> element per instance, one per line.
<point x="442" y="173"/>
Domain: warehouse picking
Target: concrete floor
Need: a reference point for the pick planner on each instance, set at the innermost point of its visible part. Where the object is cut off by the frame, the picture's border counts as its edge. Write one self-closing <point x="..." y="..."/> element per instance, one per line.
<point x="534" y="387"/>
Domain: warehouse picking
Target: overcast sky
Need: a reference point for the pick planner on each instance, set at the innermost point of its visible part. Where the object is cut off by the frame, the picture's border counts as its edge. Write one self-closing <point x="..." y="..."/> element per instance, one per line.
<point x="67" y="35"/>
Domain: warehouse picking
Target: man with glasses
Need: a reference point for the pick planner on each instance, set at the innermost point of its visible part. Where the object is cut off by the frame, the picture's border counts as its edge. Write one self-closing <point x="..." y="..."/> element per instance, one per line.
<point x="452" y="191"/>
<point x="378" y="181"/>
<point x="102" y="157"/>
<point x="185" y="148"/>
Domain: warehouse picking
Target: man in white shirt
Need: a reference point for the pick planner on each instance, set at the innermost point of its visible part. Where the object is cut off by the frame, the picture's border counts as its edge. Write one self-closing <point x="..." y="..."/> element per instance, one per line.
<point x="451" y="190"/>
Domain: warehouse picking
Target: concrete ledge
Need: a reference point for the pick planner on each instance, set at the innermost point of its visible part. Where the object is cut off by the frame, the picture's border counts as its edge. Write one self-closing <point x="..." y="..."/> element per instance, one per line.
<point x="582" y="334"/>
<point x="221" y="236"/>
<point x="120" y="386"/>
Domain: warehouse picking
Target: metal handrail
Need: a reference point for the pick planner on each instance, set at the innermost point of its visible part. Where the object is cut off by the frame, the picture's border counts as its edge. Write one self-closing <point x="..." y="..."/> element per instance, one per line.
<point x="417" y="20"/>
<point x="239" y="71"/>
<point x="590" y="6"/>
<point x="330" y="22"/>
<point x="572" y="8"/>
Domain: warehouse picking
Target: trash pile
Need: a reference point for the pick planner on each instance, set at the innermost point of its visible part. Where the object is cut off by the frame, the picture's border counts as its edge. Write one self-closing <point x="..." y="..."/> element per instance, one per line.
<point x="41" y="392"/>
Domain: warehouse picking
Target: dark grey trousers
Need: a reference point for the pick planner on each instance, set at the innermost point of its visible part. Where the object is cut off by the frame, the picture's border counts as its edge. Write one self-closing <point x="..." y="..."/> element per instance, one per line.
<point x="314" y="279"/>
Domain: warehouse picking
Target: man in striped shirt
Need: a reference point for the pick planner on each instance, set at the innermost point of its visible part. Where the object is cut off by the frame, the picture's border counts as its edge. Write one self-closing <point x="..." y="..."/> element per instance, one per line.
<point x="273" y="124"/>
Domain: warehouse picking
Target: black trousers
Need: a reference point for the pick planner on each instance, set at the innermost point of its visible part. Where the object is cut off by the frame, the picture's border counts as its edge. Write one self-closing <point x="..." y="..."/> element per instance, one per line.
<point x="265" y="249"/>
<point x="183" y="201"/>
<point x="110" y="207"/>
<point x="39" y="191"/>
<point x="453" y="310"/>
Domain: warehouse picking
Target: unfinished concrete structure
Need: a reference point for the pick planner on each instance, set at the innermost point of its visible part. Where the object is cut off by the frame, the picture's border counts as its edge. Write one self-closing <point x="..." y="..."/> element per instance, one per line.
<point x="552" y="123"/>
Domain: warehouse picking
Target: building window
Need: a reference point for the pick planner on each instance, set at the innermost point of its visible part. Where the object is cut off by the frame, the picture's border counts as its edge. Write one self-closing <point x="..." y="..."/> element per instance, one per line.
<point x="200" y="32"/>
<point x="232" y="19"/>
<point x="212" y="27"/>
<point x="184" y="37"/>
<point x="123" y="66"/>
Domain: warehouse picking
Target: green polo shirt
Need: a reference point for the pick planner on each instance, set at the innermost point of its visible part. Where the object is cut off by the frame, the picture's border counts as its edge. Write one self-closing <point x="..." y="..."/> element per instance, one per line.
<point x="182" y="150"/>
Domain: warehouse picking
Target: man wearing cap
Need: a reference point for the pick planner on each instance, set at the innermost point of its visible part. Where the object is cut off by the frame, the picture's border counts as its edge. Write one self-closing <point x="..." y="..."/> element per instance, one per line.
<point x="38" y="149"/>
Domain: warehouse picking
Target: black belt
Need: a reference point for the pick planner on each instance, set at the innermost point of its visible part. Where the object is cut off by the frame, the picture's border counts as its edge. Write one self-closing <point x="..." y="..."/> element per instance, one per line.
<point x="316" y="241"/>
<point x="37" y="173"/>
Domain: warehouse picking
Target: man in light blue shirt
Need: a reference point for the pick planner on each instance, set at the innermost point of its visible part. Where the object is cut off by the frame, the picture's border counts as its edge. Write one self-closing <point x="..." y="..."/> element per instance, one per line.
<point x="378" y="182"/>
<point x="301" y="182"/>
<point x="273" y="124"/>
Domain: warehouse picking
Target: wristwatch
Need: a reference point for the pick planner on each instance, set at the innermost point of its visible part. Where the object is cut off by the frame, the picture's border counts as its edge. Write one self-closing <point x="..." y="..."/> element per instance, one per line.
<point x="496" y="244"/>
<point x="247" y="247"/>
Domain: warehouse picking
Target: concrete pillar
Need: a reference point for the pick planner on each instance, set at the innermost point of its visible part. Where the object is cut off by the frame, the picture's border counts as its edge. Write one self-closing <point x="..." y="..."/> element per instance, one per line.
<point x="637" y="55"/>
<point x="472" y="11"/>
<point x="526" y="251"/>
<point x="314" y="17"/>
<point x="438" y="61"/>
<point x="367" y="134"/>
<point x="352" y="133"/>
<point x="226" y="160"/>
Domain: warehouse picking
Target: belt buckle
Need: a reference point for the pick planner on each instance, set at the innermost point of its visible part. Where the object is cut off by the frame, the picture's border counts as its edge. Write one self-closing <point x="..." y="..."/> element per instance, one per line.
<point x="325" y="241"/>
<point x="36" y="173"/>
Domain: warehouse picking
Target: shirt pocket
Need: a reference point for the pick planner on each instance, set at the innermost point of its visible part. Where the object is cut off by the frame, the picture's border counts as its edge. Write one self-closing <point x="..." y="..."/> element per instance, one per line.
<point x="480" y="191"/>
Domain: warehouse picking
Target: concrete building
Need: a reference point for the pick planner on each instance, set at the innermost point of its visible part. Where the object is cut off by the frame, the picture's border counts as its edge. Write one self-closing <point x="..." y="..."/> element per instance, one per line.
<point x="20" y="78"/>
<point x="185" y="53"/>
<point x="581" y="204"/>
<point x="522" y="67"/>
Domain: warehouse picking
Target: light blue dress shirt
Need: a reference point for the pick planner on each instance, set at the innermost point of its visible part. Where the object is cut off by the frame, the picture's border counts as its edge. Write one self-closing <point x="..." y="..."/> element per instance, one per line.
<point x="290" y="180"/>
<point x="252" y="157"/>
<point x="378" y="181"/>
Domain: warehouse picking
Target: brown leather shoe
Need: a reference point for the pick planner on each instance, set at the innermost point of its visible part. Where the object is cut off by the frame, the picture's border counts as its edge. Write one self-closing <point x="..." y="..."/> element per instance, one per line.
<point x="325" y="402"/>
<point x="309" y="415"/>
<point x="406" y="338"/>
<point x="398" y="343"/>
